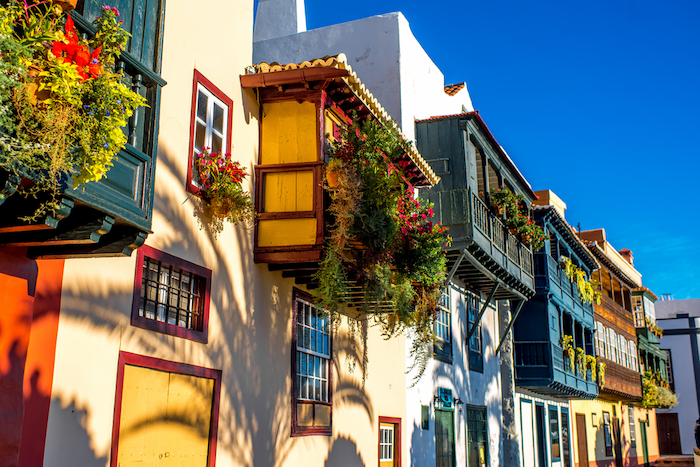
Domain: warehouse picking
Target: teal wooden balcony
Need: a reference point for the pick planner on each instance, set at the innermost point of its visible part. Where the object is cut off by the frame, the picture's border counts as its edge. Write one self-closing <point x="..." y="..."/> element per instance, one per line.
<point x="541" y="366"/>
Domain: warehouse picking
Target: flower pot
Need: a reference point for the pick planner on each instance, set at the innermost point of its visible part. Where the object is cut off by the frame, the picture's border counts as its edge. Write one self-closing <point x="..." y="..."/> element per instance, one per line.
<point x="332" y="178"/>
<point x="498" y="210"/>
<point x="65" y="5"/>
<point x="525" y="238"/>
<point x="33" y="94"/>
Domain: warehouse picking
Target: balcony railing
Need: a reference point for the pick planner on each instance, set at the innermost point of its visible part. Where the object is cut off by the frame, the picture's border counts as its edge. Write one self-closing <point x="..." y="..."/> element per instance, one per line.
<point x="502" y="239"/>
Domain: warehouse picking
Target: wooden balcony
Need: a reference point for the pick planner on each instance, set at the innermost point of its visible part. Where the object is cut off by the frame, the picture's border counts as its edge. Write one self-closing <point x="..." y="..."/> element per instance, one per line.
<point x="489" y="253"/>
<point x="540" y="366"/>
<point x="621" y="383"/>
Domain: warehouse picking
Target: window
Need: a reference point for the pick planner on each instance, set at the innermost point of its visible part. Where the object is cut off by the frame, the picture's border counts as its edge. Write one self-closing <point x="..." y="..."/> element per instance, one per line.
<point x="606" y="434"/>
<point x="210" y="124"/>
<point x="600" y="337"/>
<point x="554" y="432"/>
<point x="171" y="295"/>
<point x="623" y="350"/>
<point x="613" y="345"/>
<point x="477" y="436"/>
<point x="638" y="312"/>
<point x="633" y="430"/>
<point x="443" y="328"/>
<point x="389" y="442"/>
<point x="476" y="358"/>
<point x="669" y="370"/>
<point x="565" y="446"/>
<point x="311" y="356"/>
<point x="634" y="366"/>
<point x="147" y="389"/>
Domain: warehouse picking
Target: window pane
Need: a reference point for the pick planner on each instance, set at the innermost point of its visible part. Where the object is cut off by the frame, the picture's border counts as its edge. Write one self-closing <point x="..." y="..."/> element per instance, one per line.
<point x="218" y="122"/>
<point x="216" y="143"/>
<point x="202" y="104"/>
<point x="200" y="136"/>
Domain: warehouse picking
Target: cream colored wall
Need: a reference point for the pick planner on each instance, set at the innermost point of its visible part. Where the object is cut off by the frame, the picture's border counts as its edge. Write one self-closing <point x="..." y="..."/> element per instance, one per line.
<point x="596" y="443"/>
<point x="250" y="323"/>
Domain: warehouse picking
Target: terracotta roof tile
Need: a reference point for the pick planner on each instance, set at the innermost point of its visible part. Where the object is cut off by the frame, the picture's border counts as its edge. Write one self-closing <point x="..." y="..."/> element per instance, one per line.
<point x="452" y="89"/>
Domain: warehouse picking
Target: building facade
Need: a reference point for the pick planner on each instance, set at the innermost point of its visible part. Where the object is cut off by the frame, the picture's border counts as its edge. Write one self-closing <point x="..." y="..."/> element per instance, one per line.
<point x="554" y="354"/>
<point x="679" y="321"/>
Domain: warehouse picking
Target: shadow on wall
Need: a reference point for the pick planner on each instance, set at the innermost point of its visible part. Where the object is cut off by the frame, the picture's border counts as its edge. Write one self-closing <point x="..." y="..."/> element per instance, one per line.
<point x="344" y="453"/>
<point x="71" y="443"/>
<point x="422" y="450"/>
<point x="249" y="341"/>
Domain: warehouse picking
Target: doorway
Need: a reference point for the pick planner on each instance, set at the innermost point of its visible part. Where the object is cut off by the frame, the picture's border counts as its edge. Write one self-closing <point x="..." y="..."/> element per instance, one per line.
<point x="617" y="440"/>
<point x="444" y="438"/>
<point x="541" y="436"/>
<point x="669" y="433"/>
<point x="581" y="440"/>
<point x="645" y="447"/>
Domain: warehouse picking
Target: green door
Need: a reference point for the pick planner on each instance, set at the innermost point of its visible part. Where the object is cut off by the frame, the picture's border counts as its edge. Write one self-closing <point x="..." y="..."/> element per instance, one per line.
<point x="444" y="438"/>
<point x="643" y="435"/>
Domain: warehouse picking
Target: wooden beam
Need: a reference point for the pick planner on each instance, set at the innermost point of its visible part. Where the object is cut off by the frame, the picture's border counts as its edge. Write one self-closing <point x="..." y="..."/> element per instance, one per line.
<point x="481" y="312"/>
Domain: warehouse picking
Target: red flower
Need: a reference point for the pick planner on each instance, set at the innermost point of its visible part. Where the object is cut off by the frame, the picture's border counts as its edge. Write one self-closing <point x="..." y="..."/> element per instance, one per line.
<point x="77" y="54"/>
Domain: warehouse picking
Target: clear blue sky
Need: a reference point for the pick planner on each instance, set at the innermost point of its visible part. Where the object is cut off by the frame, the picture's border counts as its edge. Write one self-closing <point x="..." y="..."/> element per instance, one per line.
<point x="598" y="101"/>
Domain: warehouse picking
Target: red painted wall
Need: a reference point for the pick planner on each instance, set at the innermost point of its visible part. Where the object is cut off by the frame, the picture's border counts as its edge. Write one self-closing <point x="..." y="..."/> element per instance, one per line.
<point x="17" y="290"/>
<point x="38" y="373"/>
<point x="30" y="294"/>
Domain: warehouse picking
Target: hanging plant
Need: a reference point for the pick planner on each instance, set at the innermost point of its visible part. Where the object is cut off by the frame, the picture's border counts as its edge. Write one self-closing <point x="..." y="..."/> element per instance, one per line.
<point x="581" y="361"/>
<point x="513" y="206"/>
<point x="221" y="181"/>
<point x="586" y="289"/>
<point x="63" y="104"/>
<point x="601" y="373"/>
<point x="381" y="238"/>
<point x="567" y="345"/>
<point x="591" y="363"/>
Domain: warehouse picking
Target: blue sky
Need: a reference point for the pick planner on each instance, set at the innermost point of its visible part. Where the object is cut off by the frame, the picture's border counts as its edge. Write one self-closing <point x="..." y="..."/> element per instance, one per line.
<point x="598" y="101"/>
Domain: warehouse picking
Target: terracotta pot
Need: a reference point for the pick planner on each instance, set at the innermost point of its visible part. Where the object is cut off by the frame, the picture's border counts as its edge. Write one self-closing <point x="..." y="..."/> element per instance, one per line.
<point x="525" y="239"/>
<point x="332" y="178"/>
<point x="66" y="5"/>
<point x="498" y="210"/>
<point x="33" y="94"/>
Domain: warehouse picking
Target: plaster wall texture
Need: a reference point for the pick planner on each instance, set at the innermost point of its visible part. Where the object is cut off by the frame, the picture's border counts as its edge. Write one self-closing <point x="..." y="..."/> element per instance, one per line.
<point x="250" y="324"/>
<point x="387" y="58"/>
<point x="471" y="387"/>
<point x="595" y="434"/>
<point x="669" y="308"/>
<point x="278" y="18"/>
<point x="685" y="374"/>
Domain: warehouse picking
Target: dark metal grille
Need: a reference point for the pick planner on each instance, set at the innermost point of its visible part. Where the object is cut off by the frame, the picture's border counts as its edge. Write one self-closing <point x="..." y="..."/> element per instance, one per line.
<point x="476" y="425"/>
<point x="171" y="295"/>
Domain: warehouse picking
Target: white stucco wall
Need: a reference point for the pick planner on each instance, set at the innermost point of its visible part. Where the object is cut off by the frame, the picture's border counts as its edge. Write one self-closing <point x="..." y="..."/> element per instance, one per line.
<point x="387" y="58"/>
<point x="528" y="428"/>
<point x="669" y="308"/>
<point x="471" y="387"/>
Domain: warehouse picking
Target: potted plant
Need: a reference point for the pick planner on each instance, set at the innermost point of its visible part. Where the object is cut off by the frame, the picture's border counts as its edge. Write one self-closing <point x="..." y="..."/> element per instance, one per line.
<point x="567" y="345"/>
<point x="586" y="289"/>
<point x="333" y="172"/>
<point x="581" y="361"/>
<point x="221" y="180"/>
<point x="591" y="363"/>
<point x="64" y="104"/>
<point x="601" y="373"/>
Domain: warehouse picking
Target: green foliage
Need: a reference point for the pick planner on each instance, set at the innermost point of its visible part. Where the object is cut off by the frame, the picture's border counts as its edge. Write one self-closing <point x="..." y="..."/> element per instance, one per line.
<point x="591" y="363"/>
<point x="586" y="289"/>
<point x="655" y="392"/>
<point x="516" y="216"/>
<point x="64" y="105"/>
<point x="381" y="238"/>
<point x="601" y="373"/>
<point x="581" y="361"/>
<point x="568" y="346"/>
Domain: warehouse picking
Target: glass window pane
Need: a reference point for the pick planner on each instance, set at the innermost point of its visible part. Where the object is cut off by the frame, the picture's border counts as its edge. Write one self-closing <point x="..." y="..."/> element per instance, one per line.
<point x="200" y="135"/>
<point x="216" y="143"/>
<point x="218" y="121"/>
<point x="202" y="104"/>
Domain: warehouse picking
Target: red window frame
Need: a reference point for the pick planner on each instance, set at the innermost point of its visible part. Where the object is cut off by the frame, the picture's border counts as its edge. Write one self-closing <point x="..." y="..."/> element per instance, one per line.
<point x="303" y="430"/>
<point x="199" y="78"/>
<point x="127" y="358"/>
<point x="397" y="438"/>
<point x="202" y="335"/>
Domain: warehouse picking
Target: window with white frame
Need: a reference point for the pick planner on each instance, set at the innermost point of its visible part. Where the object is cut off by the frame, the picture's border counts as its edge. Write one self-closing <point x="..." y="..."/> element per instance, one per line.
<point x="211" y="124"/>
<point x="623" y="350"/>
<point x="312" y="372"/>
<point x="386" y="443"/>
<point x="638" y="311"/>
<point x="633" y="430"/>
<point x="613" y="345"/>
<point x="600" y="338"/>
<point x="633" y="356"/>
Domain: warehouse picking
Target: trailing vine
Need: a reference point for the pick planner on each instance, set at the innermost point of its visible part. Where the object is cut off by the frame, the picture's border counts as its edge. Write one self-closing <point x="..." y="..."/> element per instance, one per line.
<point x="381" y="239"/>
<point x="601" y="373"/>
<point x="567" y="345"/>
<point x="591" y="363"/>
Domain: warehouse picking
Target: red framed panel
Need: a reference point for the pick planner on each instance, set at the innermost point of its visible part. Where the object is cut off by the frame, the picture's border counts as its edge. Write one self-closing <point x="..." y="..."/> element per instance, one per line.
<point x="200" y="78"/>
<point x="301" y="430"/>
<point x="127" y="358"/>
<point x="202" y="335"/>
<point x="397" y="437"/>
